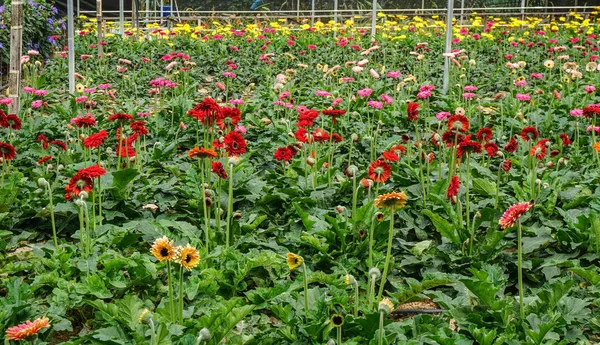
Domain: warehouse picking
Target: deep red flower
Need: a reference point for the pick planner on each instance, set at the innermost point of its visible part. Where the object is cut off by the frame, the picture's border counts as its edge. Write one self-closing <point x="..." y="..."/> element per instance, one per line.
<point x="449" y="137"/>
<point x="79" y="183"/>
<point x="302" y="135"/>
<point x="234" y="143"/>
<point x="127" y="140"/>
<point x="379" y="171"/>
<point x="491" y="148"/>
<point x="93" y="171"/>
<point x="7" y="151"/>
<point x="398" y="149"/>
<point x="458" y="123"/>
<point x="95" y="140"/>
<point x="307" y="118"/>
<point x="320" y="135"/>
<point x="43" y="140"/>
<point x="3" y="122"/>
<point x="484" y="135"/>
<point x="230" y="117"/>
<point x="591" y="110"/>
<point x="120" y="117"/>
<point x="84" y="121"/>
<point x="336" y="138"/>
<point x="13" y="122"/>
<point x="511" y="146"/>
<point x="60" y="144"/>
<point x="207" y="111"/>
<point x="390" y="156"/>
<point x="468" y="146"/>
<point x="413" y="111"/>
<point x="44" y="160"/>
<point x="334" y="113"/>
<point x="565" y="139"/>
<point x="529" y="133"/>
<point x="125" y="150"/>
<point x="139" y="127"/>
<point x="217" y="168"/>
<point x="453" y="189"/>
<point x="539" y="150"/>
<point x="283" y="154"/>
<point x="506" y="165"/>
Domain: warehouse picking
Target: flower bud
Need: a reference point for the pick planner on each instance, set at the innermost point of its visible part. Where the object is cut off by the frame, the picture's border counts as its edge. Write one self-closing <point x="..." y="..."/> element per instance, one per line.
<point x="351" y="170"/>
<point x="310" y="161"/>
<point x="144" y="315"/>
<point x="340" y="209"/>
<point x="385" y="306"/>
<point x="234" y="160"/>
<point x="379" y="216"/>
<point x="237" y="215"/>
<point x="204" y="335"/>
<point x="374" y="273"/>
<point x="42" y="182"/>
<point x="349" y="279"/>
<point x="83" y="195"/>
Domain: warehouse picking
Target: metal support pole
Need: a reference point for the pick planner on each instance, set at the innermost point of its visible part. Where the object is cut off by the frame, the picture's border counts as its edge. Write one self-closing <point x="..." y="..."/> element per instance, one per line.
<point x="449" y="15"/>
<point x="298" y="8"/>
<point x="462" y="10"/>
<point x="78" y="5"/>
<point x="147" y="9"/>
<point x="374" y="18"/>
<point x="121" y="18"/>
<point x="16" y="49"/>
<point x="99" y="27"/>
<point x="312" y="13"/>
<point x="522" y="9"/>
<point x="335" y="11"/>
<point x="71" y="45"/>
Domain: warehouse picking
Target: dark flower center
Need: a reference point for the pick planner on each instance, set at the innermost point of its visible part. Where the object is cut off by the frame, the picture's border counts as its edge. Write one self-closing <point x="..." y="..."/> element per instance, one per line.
<point x="164" y="252"/>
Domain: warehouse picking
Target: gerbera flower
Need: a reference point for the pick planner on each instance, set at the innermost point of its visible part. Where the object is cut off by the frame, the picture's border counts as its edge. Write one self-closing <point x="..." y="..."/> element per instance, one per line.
<point x="529" y="133"/>
<point x="163" y="249"/>
<point x="120" y="117"/>
<point x="217" y="168"/>
<point x="391" y="200"/>
<point x="539" y="150"/>
<point x="60" y="144"/>
<point x="336" y="138"/>
<point x="379" y="171"/>
<point x="27" y="329"/>
<point x="188" y="257"/>
<point x="565" y="139"/>
<point x="511" y="146"/>
<point x="491" y="148"/>
<point x="7" y="151"/>
<point x="95" y="140"/>
<point x="484" y="135"/>
<point x="458" y="122"/>
<point x="334" y="113"/>
<point x="283" y="154"/>
<point x="512" y="214"/>
<point x="302" y="135"/>
<point x="591" y="110"/>
<point x="320" y="135"/>
<point x="78" y="183"/>
<point x="596" y="146"/>
<point x="293" y="261"/>
<point x="468" y="146"/>
<point x="43" y="140"/>
<point x="124" y="149"/>
<point x="453" y="189"/>
<point x="206" y="111"/>
<point x="13" y="122"/>
<point x="93" y="171"/>
<point x="385" y="305"/>
<point x="230" y="117"/>
<point x="202" y="153"/>
<point x="85" y="121"/>
<point x="506" y="165"/>
<point x="390" y="156"/>
<point x="398" y="149"/>
<point x="307" y="118"/>
<point x="44" y="160"/>
<point x="234" y="143"/>
<point x="139" y="127"/>
<point x="449" y="137"/>
<point x="413" y="111"/>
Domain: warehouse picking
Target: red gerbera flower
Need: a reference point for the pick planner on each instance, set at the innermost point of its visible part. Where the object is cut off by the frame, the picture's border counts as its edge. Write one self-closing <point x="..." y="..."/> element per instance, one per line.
<point x="139" y="127"/>
<point x="302" y="135"/>
<point x="230" y="117"/>
<point x="3" y="122"/>
<point x="565" y="139"/>
<point x="120" y="117"/>
<point x="7" y="151"/>
<point x="390" y="156"/>
<point x="458" y="123"/>
<point x="44" y="160"/>
<point x="468" y="146"/>
<point x="283" y="154"/>
<point x="591" y="110"/>
<point x="307" y="118"/>
<point x="529" y="133"/>
<point x="60" y="144"/>
<point x="453" y="189"/>
<point x="27" y="329"/>
<point x="539" y="150"/>
<point x="413" y="111"/>
<point x="95" y="140"/>
<point x="206" y="111"/>
<point x="334" y="113"/>
<point x="43" y="140"/>
<point x="379" y="171"/>
<point x="234" y="143"/>
<point x="449" y="137"/>
<point x="398" y="149"/>
<point x="512" y="214"/>
<point x="13" y="122"/>
<point x="336" y="138"/>
<point x="320" y="135"/>
<point x="93" y="171"/>
<point x="484" y="135"/>
<point x="217" y="168"/>
<point x="125" y="150"/>
<point x="79" y="183"/>
<point x="84" y="121"/>
<point x="506" y="165"/>
<point x="511" y="146"/>
<point x="491" y="148"/>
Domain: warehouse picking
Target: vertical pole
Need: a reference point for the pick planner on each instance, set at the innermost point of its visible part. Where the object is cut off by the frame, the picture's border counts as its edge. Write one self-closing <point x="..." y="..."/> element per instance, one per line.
<point x="312" y="13"/>
<point x="71" y="45"/>
<point x="462" y="10"/>
<point x="121" y="18"/>
<point x="16" y="49"/>
<point x="449" y="15"/>
<point x="146" y="9"/>
<point x="335" y="11"/>
<point x="99" y="27"/>
<point x="78" y="5"/>
<point x="522" y="9"/>
<point x="298" y="9"/>
<point x="373" y="18"/>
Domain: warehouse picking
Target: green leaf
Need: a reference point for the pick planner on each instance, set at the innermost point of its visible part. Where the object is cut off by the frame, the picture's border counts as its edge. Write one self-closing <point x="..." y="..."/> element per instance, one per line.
<point x="443" y="226"/>
<point x="484" y="187"/>
<point x="121" y="180"/>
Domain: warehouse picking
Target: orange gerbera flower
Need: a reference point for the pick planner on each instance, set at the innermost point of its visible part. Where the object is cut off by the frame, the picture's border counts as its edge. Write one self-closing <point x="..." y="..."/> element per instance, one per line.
<point x="163" y="249"/>
<point x="27" y="329"/>
<point x="509" y="218"/>
<point x="391" y="200"/>
<point x="596" y="146"/>
<point x="188" y="257"/>
<point x="379" y="171"/>
<point x="202" y="153"/>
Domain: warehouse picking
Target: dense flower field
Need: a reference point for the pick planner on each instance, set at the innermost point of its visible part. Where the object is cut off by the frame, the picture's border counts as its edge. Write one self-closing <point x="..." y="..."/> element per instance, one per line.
<point x="273" y="183"/>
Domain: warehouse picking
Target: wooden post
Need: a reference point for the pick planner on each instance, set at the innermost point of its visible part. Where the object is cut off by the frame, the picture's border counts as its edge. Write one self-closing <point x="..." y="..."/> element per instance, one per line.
<point x="99" y="29"/>
<point x="16" y="49"/>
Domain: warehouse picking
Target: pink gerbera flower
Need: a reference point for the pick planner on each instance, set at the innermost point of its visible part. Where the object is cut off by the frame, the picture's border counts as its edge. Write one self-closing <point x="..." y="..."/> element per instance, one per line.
<point x="513" y="213"/>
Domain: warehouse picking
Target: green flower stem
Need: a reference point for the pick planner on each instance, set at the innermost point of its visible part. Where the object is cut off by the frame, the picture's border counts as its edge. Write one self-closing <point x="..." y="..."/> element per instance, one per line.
<point x="181" y="294"/>
<point x="520" y="268"/>
<point x="82" y="233"/>
<point x="99" y="193"/>
<point x="467" y="199"/>
<point x="52" y="216"/>
<point x="388" y="255"/>
<point x="339" y="335"/>
<point x="354" y="198"/>
<point x="229" y="207"/>
<point x="151" y="331"/>
<point x="356" y="298"/>
<point x="204" y="207"/>
<point x="169" y="282"/>
<point x="305" y="287"/>
<point x="380" y="342"/>
<point x="372" y="233"/>
<point x="420" y="154"/>
<point x="594" y="139"/>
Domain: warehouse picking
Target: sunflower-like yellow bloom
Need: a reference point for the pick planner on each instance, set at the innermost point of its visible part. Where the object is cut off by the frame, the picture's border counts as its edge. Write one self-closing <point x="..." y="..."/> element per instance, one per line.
<point x="389" y="200"/>
<point x="163" y="249"/>
<point x="188" y="257"/>
<point x="294" y="261"/>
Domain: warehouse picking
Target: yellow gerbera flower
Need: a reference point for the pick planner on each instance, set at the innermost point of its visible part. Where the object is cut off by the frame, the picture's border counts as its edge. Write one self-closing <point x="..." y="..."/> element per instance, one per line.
<point x="393" y="199"/>
<point x="163" y="249"/>
<point x="188" y="257"/>
<point x="294" y="261"/>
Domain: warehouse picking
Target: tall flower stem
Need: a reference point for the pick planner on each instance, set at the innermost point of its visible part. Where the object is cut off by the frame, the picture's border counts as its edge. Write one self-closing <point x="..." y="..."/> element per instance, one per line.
<point x="354" y="198"/>
<point x="201" y="165"/>
<point x="388" y="254"/>
<point x="520" y="268"/>
<point x="467" y="204"/>
<point x="372" y="290"/>
<point x="339" y="335"/>
<point x="305" y="287"/>
<point x="356" y="298"/>
<point x="99" y="193"/>
<point x="169" y="282"/>
<point x="372" y="233"/>
<point x="52" y="216"/>
<point x="594" y="139"/>
<point x="419" y="158"/>
<point x="181" y="295"/>
<point x="229" y="207"/>
<point x="380" y="342"/>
